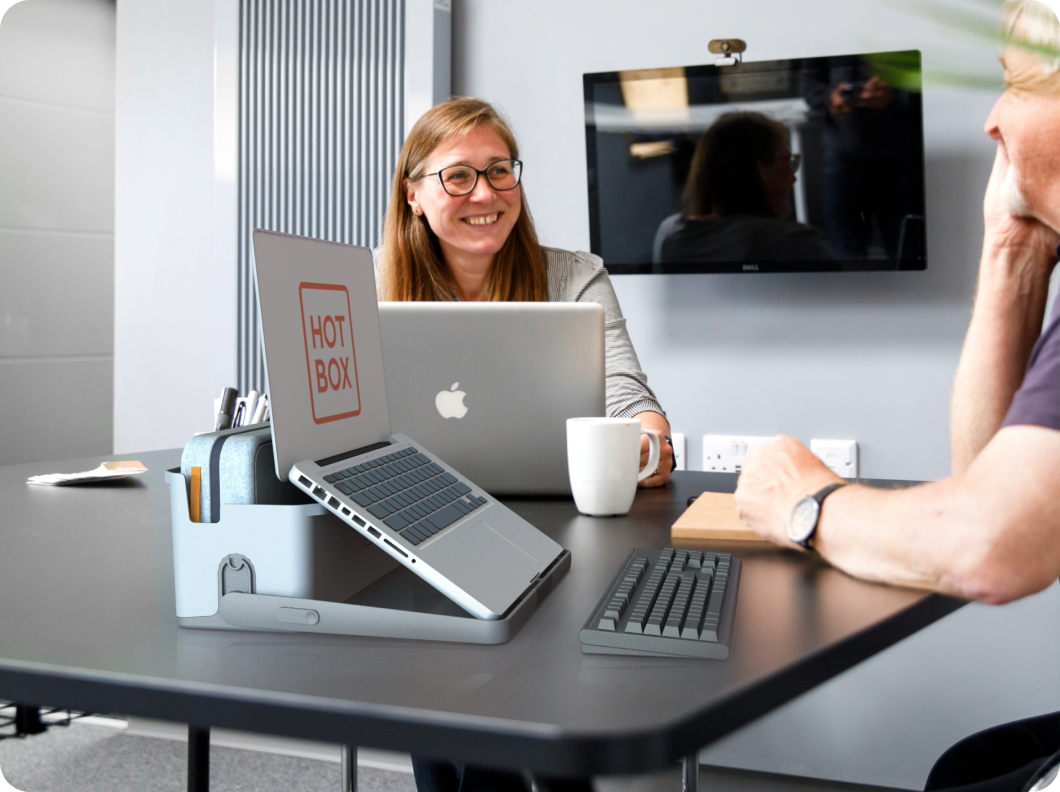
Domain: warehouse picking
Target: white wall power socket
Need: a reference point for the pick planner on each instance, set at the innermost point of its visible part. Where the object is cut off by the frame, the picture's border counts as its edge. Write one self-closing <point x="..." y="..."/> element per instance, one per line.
<point x="840" y="455"/>
<point x="679" y="450"/>
<point x="725" y="453"/>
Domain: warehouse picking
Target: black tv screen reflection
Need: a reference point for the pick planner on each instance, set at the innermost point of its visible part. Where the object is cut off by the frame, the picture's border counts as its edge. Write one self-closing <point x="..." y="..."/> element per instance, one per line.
<point x="807" y="165"/>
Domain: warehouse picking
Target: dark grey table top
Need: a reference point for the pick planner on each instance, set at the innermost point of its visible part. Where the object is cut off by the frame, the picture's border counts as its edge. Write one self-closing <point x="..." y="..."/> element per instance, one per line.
<point x="87" y="622"/>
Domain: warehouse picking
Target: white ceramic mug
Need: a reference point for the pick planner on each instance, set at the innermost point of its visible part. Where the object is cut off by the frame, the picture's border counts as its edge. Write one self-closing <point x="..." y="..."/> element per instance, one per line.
<point x="603" y="458"/>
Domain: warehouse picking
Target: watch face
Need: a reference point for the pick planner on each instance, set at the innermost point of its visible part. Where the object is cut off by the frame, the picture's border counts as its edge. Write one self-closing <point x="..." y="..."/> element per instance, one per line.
<point x="803" y="519"/>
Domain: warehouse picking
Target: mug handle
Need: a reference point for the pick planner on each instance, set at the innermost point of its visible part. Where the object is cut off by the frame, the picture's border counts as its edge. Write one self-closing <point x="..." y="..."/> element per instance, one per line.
<point x="653" y="455"/>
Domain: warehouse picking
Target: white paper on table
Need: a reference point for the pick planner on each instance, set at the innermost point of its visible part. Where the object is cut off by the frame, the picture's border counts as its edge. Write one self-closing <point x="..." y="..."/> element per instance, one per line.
<point x="107" y="471"/>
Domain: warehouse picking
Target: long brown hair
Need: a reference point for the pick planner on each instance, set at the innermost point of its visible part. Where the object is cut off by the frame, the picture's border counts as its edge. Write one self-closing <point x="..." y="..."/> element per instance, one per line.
<point x="412" y="266"/>
<point x="723" y="177"/>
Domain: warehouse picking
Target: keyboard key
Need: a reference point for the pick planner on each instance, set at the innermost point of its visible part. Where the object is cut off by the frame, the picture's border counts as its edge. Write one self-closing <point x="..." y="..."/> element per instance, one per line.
<point x="448" y="478"/>
<point x="635" y="624"/>
<point x="330" y="479"/>
<point x="396" y="521"/>
<point x="361" y="499"/>
<point x="463" y="507"/>
<point x="418" y="532"/>
<point x="677" y="612"/>
<point x="606" y="624"/>
<point x="412" y="538"/>
<point x="445" y="517"/>
<point x="344" y="488"/>
<point x="462" y="488"/>
<point x="379" y="510"/>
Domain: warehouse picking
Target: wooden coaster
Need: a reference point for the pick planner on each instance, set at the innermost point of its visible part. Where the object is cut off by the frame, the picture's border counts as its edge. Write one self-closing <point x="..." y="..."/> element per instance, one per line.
<point x="713" y="517"/>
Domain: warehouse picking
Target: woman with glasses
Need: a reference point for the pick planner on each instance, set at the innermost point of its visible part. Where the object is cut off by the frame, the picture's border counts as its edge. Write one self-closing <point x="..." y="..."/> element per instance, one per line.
<point x="458" y="228"/>
<point x="738" y="199"/>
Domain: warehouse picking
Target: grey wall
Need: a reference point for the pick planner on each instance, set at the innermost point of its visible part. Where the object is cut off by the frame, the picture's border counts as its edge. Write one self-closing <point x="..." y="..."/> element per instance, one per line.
<point x="868" y="356"/>
<point x="56" y="229"/>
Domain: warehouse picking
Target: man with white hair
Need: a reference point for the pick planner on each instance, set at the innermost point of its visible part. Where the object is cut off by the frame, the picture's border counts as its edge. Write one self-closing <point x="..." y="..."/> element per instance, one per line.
<point x="991" y="531"/>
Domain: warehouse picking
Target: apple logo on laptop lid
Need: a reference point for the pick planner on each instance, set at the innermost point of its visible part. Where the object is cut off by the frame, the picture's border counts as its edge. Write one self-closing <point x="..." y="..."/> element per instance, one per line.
<point x="450" y="403"/>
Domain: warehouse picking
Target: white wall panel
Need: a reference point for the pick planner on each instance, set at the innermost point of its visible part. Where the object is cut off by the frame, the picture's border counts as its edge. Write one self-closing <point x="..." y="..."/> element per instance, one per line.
<point x="175" y="284"/>
<point x="55" y="408"/>
<point x="56" y="294"/>
<point x="58" y="166"/>
<point x="56" y="229"/>
<point x="60" y="52"/>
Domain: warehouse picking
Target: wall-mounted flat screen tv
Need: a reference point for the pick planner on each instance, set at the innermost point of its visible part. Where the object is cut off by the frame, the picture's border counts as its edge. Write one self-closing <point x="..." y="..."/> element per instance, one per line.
<point x="804" y="165"/>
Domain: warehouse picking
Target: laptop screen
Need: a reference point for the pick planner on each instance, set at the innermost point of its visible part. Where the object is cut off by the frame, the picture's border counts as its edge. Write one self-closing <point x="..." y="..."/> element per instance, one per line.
<point x="323" y="355"/>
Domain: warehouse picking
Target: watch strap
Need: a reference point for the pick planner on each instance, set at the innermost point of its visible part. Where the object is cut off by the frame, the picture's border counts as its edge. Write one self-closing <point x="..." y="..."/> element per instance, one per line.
<point x="824" y="493"/>
<point x="673" y="453"/>
<point x="819" y="496"/>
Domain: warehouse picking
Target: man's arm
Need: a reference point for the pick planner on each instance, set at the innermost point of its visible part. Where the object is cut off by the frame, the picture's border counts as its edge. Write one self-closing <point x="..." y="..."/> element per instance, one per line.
<point x="991" y="533"/>
<point x="1018" y="256"/>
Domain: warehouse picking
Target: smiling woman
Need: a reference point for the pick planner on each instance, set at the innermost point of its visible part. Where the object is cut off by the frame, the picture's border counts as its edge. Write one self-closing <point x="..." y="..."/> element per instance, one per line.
<point x="458" y="228"/>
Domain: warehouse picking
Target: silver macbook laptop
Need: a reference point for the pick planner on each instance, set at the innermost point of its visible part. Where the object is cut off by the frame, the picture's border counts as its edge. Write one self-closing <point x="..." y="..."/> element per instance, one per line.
<point x="331" y="433"/>
<point x="490" y="386"/>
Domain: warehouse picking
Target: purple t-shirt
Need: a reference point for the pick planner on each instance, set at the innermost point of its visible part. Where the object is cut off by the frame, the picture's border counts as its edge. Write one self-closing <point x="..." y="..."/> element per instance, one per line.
<point x="1037" y="402"/>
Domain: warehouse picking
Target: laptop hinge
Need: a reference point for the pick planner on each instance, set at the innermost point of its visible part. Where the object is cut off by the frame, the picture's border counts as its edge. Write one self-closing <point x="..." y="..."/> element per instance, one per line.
<point x="355" y="452"/>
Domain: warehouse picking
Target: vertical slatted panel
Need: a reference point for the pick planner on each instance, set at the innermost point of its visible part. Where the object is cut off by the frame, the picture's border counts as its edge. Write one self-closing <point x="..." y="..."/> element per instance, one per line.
<point x="321" y="106"/>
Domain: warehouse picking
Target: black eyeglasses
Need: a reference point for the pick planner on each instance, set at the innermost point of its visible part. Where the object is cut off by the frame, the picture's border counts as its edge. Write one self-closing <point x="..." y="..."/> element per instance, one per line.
<point x="461" y="179"/>
<point x="794" y="159"/>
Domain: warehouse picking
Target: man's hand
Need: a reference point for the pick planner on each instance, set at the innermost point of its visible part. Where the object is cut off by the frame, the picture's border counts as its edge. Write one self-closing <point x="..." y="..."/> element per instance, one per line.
<point x="775" y="477"/>
<point x="1025" y="242"/>
<point x="653" y="422"/>
<point x="876" y="94"/>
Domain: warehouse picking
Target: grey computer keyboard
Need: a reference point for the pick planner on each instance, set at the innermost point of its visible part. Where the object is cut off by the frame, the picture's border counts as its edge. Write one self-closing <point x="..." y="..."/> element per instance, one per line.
<point x="408" y="492"/>
<point x="667" y="603"/>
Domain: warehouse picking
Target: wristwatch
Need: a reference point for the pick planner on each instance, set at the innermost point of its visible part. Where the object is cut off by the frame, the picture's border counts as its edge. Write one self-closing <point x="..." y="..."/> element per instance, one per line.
<point x="802" y="522"/>
<point x="673" y="453"/>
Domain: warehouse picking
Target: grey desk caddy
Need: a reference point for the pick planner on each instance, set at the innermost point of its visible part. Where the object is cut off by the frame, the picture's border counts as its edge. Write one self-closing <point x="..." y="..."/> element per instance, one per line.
<point x="298" y="568"/>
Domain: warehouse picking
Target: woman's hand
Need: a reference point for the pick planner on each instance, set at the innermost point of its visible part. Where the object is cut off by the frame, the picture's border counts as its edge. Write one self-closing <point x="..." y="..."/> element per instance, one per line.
<point x="653" y="422"/>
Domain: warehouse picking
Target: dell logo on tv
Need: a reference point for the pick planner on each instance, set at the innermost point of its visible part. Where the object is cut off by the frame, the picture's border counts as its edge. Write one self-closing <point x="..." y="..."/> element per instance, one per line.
<point x="750" y="268"/>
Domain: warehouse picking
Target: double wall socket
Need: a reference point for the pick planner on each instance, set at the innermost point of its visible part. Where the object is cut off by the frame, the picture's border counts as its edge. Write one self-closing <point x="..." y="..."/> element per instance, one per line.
<point x="725" y="453"/>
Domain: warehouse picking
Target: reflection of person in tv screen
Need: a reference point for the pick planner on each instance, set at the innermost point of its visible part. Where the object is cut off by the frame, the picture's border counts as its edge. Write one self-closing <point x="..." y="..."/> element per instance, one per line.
<point x="738" y="199"/>
<point x="869" y="155"/>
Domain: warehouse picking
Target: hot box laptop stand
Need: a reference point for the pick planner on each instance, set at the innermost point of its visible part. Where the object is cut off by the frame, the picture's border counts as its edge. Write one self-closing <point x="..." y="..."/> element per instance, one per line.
<point x="296" y="569"/>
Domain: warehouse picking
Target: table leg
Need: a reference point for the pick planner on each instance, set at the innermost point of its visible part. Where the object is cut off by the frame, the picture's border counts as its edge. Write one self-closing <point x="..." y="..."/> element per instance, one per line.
<point x="198" y="758"/>
<point x="690" y="773"/>
<point x="27" y="720"/>
<point x="349" y="768"/>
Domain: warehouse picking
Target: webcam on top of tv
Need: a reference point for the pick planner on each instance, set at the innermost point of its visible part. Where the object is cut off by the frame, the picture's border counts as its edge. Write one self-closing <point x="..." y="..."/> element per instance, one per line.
<point x="729" y="51"/>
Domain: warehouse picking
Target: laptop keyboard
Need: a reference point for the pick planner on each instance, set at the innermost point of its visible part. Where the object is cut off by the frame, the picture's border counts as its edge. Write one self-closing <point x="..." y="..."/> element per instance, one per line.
<point x="408" y="492"/>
